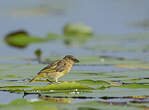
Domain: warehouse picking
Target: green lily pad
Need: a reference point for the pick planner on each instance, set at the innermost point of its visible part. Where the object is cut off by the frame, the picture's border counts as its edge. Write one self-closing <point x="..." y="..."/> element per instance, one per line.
<point x="92" y="82"/>
<point x="75" y="41"/>
<point x="80" y="30"/>
<point x="135" y="85"/>
<point x="15" y="87"/>
<point x="64" y="86"/>
<point x="22" y="39"/>
<point x="93" y="60"/>
<point x="61" y="87"/>
<point x="24" y="104"/>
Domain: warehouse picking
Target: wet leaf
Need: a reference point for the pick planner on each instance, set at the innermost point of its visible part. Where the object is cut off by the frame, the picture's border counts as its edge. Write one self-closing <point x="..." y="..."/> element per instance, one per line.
<point x="38" y="54"/>
<point x="23" y="104"/>
<point x="75" y="41"/>
<point x="52" y="36"/>
<point x="37" y="104"/>
<point x="65" y="86"/>
<point x="135" y="85"/>
<point x="22" y="39"/>
<point x="92" y="82"/>
<point x="55" y="100"/>
<point x="132" y="66"/>
<point x="80" y="30"/>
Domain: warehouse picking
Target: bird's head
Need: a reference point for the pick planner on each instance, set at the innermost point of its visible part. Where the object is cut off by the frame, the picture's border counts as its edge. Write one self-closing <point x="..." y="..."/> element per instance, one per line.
<point x="71" y="58"/>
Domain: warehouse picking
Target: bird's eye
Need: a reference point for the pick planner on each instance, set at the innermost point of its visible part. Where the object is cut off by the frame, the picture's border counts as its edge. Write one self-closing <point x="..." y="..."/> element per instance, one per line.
<point x="72" y="58"/>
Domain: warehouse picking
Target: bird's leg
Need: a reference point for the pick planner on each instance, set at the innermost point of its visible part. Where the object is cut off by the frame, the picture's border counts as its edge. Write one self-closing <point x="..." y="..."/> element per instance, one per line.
<point x="56" y="81"/>
<point x="49" y="81"/>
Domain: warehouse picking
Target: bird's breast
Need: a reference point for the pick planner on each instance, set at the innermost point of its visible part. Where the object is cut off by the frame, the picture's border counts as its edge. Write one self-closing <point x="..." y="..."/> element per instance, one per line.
<point x="68" y="68"/>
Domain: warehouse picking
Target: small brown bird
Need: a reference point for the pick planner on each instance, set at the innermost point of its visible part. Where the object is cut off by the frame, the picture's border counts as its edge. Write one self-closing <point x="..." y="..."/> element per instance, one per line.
<point x="57" y="69"/>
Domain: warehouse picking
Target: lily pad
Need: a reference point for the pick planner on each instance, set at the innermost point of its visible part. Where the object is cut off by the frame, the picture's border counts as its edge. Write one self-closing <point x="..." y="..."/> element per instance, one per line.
<point x="61" y="87"/>
<point x="65" y="86"/>
<point x="22" y="39"/>
<point x="133" y="66"/>
<point x="135" y="85"/>
<point x="23" y="104"/>
<point x="98" y="83"/>
<point x="80" y="30"/>
<point x="95" y="60"/>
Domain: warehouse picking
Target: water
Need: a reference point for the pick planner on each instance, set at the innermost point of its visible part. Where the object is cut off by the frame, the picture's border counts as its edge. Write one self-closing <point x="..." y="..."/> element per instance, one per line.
<point x="105" y="17"/>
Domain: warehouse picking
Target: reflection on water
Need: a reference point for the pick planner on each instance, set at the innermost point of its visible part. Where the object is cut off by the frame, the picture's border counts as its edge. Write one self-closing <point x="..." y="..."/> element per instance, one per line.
<point x="105" y="17"/>
<point x="129" y="101"/>
<point x="106" y="100"/>
<point x="38" y="54"/>
<point x="55" y="100"/>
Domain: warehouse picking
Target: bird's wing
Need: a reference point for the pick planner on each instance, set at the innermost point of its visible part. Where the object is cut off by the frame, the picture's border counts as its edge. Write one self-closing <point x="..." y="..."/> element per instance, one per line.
<point x="57" y="66"/>
<point x="60" y="66"/>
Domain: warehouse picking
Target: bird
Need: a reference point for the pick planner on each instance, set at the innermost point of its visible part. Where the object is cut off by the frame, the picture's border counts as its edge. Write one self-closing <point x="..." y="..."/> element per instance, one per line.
<point x="56" y="69"/>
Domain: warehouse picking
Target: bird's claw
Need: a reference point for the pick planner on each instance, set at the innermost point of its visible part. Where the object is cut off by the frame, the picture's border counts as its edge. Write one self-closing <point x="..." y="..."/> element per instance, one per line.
<point x="57" y="82"/>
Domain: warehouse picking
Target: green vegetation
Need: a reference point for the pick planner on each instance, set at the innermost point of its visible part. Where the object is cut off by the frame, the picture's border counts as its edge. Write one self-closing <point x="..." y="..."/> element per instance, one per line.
<point x="113" y="72"/>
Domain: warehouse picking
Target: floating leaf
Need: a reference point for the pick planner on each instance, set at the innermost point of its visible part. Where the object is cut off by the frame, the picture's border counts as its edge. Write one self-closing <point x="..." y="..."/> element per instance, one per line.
<point x="55" y="100"/>
<point x="92" y="82"/>
<point x="115" y="84"/>
<point x="80" y="30"/>
<point x="139" y="97"/>
<point x="23" y="104"/>
<point x="135" y="85"/>
<point x="75" y="41"/>
<point x="12" y="38"/>
<point x="64" y="86"/>
<point x="22" y="39"/>
<point x="142" y="24"/>
<point x="14" y="87"/>
<point x="38" y="54"/>
<point x="132" y="66"/>
<point x="52" y="36"/>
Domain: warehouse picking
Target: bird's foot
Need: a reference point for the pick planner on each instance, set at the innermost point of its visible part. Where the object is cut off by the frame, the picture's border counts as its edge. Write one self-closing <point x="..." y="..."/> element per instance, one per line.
<point x="54" y="83"/>
<point x="57" y="82"/>
<point x="49" y="81"/>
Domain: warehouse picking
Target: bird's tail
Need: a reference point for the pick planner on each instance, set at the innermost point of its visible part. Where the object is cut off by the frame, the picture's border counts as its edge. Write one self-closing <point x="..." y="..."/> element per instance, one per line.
<point x="35" y="78"/>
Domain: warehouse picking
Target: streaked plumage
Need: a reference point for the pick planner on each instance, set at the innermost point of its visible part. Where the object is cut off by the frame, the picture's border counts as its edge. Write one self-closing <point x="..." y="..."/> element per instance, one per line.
<point x="57" y="69"/>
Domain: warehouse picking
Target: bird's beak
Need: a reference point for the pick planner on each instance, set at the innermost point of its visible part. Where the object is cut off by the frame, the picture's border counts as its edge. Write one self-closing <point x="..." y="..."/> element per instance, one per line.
<point x="76" y="60"/>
